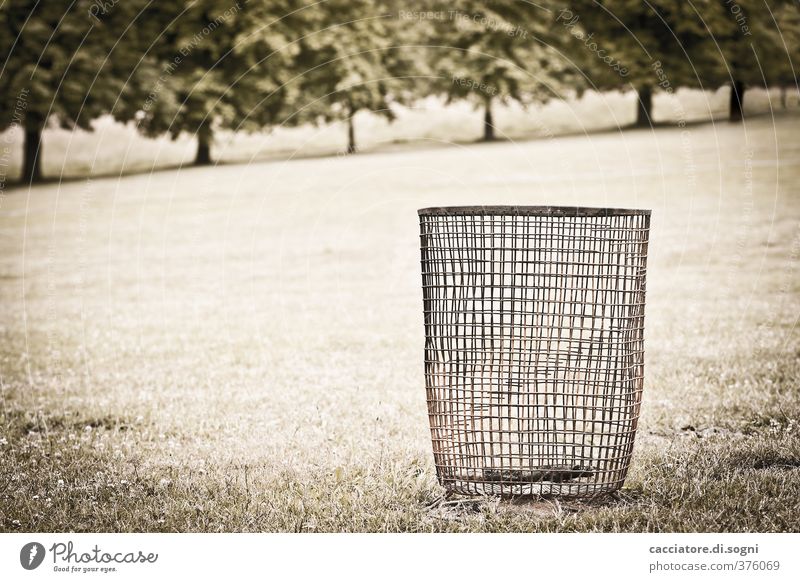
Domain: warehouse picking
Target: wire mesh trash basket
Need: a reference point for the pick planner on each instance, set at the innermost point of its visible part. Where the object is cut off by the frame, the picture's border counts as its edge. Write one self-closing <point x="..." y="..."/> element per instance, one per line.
<point x="534" y="360"/>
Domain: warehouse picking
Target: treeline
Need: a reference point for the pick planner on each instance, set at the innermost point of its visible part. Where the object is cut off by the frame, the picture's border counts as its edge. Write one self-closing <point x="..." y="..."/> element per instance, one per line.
<point x="198" y="66"/>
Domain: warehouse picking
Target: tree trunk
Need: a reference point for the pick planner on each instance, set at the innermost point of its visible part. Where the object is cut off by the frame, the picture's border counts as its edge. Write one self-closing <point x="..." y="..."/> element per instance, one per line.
<point x="351" y="133"/>
<point x="32" y="152"/>
<point x="488" y="121"/>
<point x="205" y="136"/>
<point x="644" y="107"/>
<point x="737" y="100"/>
<point x="783" y="97"/>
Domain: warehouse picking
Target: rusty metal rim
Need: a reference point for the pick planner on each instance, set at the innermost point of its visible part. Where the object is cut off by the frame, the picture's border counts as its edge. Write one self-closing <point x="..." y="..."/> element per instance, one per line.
<point x="530" y="211"/>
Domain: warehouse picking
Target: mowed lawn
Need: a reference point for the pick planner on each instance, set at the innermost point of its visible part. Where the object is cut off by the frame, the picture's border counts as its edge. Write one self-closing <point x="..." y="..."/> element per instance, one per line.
<point x="240" y="348"/>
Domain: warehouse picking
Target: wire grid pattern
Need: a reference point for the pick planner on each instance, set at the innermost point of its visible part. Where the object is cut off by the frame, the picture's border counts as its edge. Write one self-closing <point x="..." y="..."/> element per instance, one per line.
<point x="534" y="359"/>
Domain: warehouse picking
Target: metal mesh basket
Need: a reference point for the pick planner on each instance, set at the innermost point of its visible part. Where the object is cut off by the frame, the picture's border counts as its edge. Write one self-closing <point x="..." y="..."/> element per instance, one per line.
<point x="533" y="346"/>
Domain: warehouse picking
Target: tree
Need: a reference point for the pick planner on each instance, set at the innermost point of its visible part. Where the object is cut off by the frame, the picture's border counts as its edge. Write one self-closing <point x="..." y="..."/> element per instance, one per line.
<point x="65" y="64"/>
<point x="783" y="49"/>
<point x="787" y="38"/>
<point x="217" y="64"/>
<point x="750" y="45"/>
<point x="643" y="46"/>
<point x="502" y="51"/>
<point x="355" y="59"/>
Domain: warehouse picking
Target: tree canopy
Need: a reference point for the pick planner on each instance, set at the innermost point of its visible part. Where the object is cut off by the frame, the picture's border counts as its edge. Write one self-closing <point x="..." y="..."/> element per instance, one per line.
<point x="198" y="66"/>
<point x="487" y="52"/>
<point x="748" y="38"/>
<point x="65" y="64"/>
<point x="216" y="65"/>
<point x="356" y="57"/>
<point x="644" y="46"/>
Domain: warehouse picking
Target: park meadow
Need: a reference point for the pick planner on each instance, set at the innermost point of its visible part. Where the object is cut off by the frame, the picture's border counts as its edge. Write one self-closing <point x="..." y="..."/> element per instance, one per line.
<point x="211" y="308"/>
<point x="187" y="351"/>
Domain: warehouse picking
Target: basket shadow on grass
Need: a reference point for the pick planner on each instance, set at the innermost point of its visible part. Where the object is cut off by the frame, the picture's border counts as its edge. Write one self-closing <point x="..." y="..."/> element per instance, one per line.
<point x="455" y="507"/>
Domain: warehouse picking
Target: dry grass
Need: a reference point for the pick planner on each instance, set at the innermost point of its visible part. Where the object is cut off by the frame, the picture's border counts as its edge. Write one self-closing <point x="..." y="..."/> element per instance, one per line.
<point x="240" y="348"/>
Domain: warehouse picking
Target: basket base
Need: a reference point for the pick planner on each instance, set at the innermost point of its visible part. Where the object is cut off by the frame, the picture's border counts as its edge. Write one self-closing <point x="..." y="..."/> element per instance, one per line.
<point x="509" y="490"/>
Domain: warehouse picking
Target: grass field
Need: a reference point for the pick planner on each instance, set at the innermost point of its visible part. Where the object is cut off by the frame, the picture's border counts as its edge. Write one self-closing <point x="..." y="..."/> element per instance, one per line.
<point x="240" y="348"/>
